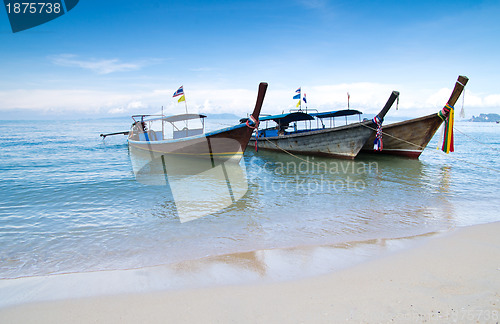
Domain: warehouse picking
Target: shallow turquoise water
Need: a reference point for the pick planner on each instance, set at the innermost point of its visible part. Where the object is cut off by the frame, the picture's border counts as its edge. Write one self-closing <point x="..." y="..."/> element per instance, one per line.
<point x="70" y="202"/>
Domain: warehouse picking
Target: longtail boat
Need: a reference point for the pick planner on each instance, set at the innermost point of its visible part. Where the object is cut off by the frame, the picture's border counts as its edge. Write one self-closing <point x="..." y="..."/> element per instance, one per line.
<point x="334" y="141"/>
<point x="148" y="133"/>
<point x="409" y="138"/>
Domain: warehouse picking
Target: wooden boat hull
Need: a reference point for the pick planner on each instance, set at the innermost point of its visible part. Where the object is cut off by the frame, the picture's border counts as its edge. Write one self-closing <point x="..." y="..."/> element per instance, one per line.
<point x="407" y="138"/>
<point x="340" y="142"/>
<point x="228" y="143"/>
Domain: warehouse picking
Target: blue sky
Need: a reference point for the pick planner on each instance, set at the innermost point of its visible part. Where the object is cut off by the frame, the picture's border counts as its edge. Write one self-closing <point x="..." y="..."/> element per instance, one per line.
<point x="117" y="58"/>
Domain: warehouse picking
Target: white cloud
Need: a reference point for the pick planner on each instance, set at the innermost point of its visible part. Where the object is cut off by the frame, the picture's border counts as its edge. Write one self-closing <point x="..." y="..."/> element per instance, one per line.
<point x="470" y="101"/>
<point x="367" y="97"/>
<point x="492" y="100"/>
<point x="99" y="66"/>
<point x="136" y="105"/>
<point x="438" y="98"/>
<point x="86" y="101"/>
<point x="125" y="108"/>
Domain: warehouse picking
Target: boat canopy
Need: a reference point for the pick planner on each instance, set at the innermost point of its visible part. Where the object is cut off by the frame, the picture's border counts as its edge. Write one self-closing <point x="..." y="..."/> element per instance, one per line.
<point x="284" y="119"/>
<point x="174" y="118"/>
<point x="182" y="117"/>
<point x="337" y="113"/>
<point x="298" y="116"/>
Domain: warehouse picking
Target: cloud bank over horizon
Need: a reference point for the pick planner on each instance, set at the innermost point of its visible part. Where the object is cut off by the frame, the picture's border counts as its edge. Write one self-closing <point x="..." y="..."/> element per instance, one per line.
<point x="367" y="97"/>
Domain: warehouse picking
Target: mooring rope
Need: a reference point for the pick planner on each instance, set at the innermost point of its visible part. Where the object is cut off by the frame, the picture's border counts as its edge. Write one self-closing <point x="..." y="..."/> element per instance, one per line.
<point x="472" y="138"/>
<point x="291" y="154"/>
<point x="432" y="150"/>
<point x="395" y="137"/>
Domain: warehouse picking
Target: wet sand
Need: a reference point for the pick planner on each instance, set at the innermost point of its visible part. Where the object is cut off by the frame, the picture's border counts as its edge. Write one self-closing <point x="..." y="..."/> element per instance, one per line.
<point x="452" y="277"/>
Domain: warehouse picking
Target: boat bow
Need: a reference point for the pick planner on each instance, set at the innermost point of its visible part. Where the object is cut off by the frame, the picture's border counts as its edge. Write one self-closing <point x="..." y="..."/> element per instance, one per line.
<point x="254" y="117"/>
<point x="388" y="105"/>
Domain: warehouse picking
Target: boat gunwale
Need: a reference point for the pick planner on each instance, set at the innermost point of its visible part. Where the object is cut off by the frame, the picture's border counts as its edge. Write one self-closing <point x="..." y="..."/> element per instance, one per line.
<point x="209" y="134"/>
<point x="400" y="123"/>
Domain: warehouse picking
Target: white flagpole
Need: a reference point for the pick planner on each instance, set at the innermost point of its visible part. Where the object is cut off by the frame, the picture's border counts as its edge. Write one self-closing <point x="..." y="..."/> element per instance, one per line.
<point x="162" y="124"/>
<point x="185" y="105"/>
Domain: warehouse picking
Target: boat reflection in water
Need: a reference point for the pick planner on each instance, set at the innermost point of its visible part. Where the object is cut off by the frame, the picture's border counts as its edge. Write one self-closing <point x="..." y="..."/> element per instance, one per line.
<point x="202" y="169"/>
<point x="199" y="187"/>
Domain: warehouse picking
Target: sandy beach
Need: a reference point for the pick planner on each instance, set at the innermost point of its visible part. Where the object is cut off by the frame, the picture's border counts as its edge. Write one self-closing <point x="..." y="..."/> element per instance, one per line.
<point x="451" y="277"/>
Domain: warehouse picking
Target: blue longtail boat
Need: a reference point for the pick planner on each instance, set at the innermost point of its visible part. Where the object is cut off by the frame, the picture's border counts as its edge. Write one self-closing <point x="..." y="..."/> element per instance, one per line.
<point x="325" y="139"/>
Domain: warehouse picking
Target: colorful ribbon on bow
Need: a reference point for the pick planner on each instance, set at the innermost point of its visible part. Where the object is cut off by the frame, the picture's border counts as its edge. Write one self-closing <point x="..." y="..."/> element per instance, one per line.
<point x="255" y="121"/>
<point x="448" y="115"/>
<point x="378" y="145"/>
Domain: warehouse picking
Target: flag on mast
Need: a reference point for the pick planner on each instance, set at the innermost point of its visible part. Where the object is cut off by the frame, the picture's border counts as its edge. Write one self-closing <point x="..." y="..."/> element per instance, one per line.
<point x="297" y="96"/>
<point x="304" y="98"/>
<point x="179" y="92"/>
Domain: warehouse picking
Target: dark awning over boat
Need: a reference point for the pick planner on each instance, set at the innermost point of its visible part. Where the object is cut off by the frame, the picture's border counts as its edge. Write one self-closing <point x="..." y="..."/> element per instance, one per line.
<point x="337" y="113"/>
<point x="284" y="119"/>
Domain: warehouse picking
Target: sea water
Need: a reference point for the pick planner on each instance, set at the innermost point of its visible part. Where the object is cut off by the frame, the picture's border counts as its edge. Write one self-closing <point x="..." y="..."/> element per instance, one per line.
<point x="71" y="203"/>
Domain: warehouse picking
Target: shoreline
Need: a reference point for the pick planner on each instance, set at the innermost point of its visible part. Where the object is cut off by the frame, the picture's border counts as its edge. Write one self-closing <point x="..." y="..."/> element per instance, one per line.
<point x="258" y="266"/>
<point x="446" y="278"/>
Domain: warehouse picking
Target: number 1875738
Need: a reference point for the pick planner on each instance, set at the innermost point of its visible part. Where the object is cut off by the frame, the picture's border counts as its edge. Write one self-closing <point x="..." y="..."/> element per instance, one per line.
<point x="33" y="7"/>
